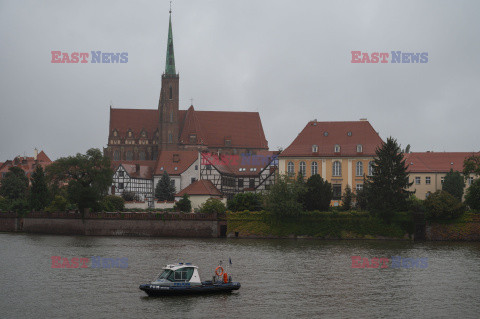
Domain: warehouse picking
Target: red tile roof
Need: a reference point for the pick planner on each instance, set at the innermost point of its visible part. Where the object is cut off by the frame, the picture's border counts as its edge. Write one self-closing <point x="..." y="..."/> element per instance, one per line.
<point x="436" y="162"/>
<point x="144" y="170"/>
<point x="328" y="134"/>
<point x="239" y="165"/>
<point x="28" y="164"/>
<point x="201" y="187"/>
<point x="134" y="119"/>
<point x="243" y="129"/>
<point x="169" y="160"/>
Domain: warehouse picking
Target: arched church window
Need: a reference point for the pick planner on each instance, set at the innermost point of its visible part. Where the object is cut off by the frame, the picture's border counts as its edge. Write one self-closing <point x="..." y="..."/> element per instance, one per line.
<point x="116" y="156"/>
<point x="129" y="156"/>
<point x="141" y="156"/>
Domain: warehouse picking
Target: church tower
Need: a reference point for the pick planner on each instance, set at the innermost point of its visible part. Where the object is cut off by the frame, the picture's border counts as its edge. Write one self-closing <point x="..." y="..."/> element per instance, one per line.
<point x="168" y="103"/>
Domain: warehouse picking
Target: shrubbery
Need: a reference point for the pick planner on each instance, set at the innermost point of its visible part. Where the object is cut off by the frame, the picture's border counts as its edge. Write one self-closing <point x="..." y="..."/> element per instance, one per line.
<point x="245" y="201"/>
<point x="59" y="204"/>
<point x="472" y="197"/>
<point x="112" y="203"/>
<point x="213" y="205"/>
<point x="184" y="204"/>
<point x="443" y="206"/>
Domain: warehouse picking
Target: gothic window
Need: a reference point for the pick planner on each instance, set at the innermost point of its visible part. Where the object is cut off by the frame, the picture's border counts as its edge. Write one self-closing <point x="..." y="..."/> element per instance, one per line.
<point x="170" y="93"/>
<point x="141" y="156"/>
<point x="129" y="156"/>
<point x="171" y="116"/>
<point x="130" y="134"/>
<point x="116" y="156"/>
<point x="193" y="138"/>
<point x="290" y="168"/>
<point x="314" y="168"/>
<point x="370" y="168"/>
<point x="337" y="169"/>
<point x="144" y="134"/>
<point x="170" y="138"/>
<point x="359" y="169"/>
<point x="303" y="168"/>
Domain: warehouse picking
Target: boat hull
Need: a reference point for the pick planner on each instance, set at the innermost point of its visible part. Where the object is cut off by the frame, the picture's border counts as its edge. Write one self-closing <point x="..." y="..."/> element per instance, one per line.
<point x="156" y="290"/>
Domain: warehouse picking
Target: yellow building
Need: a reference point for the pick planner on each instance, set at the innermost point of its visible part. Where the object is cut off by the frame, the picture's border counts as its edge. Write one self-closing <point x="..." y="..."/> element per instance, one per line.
<point x="427" y="170"/>
<point x="341" y="152"/>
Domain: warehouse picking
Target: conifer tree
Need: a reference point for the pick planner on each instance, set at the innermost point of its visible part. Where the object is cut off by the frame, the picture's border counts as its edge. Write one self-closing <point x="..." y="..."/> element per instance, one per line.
<point x="39" y="194"/>
<point x="164" y="189"/>
<point x="387" y="188"/>
<point x="454" y="184"/>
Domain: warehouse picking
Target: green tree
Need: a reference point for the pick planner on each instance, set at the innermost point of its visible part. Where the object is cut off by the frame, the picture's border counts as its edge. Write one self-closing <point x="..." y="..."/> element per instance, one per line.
<point x="112" y="203"/>
<point x="245" y="201"/>
<point x="454" y="184"/>
<point x="387" y="188"/>
<point x="58" y="204"/>
<point x="88" y="176"/>
<point x="15" y="184"/>
<point x="213" y="205"/>
<point x="282" y="200"/>
<point x="164" y="189"/>
<point x="472" y="196"/>
<point x="184" y="204"/>
<point x="347" y="198"/>
<point x="318" y="194"/>
<point x="471" y="165"/>
<point x="39" y="193"/>
<point x="443" y="206"/>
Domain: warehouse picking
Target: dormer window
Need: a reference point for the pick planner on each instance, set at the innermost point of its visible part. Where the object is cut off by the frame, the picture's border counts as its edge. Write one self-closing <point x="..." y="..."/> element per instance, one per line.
<point x="228" y="142"/>
<point x="315" y="148"/>
<point x="349" y="133"/>
<point x="336" y="149"/>
<point x="193" y="138"/>
<point x="359" y="148"/>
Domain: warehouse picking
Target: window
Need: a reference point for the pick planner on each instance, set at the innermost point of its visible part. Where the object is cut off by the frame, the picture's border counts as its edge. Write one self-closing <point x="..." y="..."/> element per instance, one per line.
<point x="370" y="168"/>
<point x="314" y="148"/>
<point x="141" y="156"/>
<point x="120" y="185"/>
<point x="290" y="168"/>
<point x="170" y="138"/>
<point x="303" y="168"/>
<point x="193" y="180"/>
<point x="359" y="148"/>
<point x="182" y="274"/>
<point x="130" y="134"/>
<point x="417" y="180"/>
<point x="251" y="183"/>
<point x="470" y="180"/>
<point x="121" y="173"/>
<point x="314" y="168"/>
<point x="228" y="142"/>
<point x="171" y="116"/>
<point x="116" y="156"/>
<point x="170" y="95"/>
<point x="337" y="191"/>
<point x="240" y="183"/>
<point x="196" y="167"/>
<point x="359" y="169"/>
<point x="208" y="167"/>
<point x="359" y="187"/>
<point x="129" y="156"/>
<point x="115" y="133"/>
<point x="349" y="133"/>
<point x="336" y="148"/>
<point x="427" y="180"/>
<point x="337" y="169"/>
<point x="325" y="134"/>
<point x="428" y="194"/>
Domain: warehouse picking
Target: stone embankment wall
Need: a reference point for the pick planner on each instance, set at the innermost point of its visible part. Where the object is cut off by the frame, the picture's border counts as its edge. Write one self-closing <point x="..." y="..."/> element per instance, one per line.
<point x="116" y="224"/>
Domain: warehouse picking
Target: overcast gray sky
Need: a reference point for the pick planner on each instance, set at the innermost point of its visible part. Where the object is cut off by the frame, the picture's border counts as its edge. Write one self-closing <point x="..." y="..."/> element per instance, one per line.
<point x="288" y="60"/>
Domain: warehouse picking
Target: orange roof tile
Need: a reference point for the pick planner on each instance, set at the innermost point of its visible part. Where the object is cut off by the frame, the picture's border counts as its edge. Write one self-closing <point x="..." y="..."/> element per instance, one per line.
<point x="436" y="162"/>
<point x="201" y="187"/>
<point x="134" y="119"/>
<point x="240" y="165"/>
<point x="175" y="162"/>
<point x="328" y="134"/>
<point x="136" y="169"/>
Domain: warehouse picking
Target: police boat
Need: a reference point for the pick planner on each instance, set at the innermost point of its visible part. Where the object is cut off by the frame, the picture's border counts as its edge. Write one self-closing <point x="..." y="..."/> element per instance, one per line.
<point x="183" y="279"/>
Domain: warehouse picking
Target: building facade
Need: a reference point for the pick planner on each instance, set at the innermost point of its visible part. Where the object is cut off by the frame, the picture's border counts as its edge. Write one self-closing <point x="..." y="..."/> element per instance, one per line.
<point x="340" y="152"/>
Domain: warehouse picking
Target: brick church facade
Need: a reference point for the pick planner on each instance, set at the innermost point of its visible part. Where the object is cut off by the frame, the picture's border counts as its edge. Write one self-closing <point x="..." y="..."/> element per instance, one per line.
<point x="141" y="134"/>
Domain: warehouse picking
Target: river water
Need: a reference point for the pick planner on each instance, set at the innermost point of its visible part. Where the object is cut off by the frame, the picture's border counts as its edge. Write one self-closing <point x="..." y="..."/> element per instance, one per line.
<point x="280" y="279"/>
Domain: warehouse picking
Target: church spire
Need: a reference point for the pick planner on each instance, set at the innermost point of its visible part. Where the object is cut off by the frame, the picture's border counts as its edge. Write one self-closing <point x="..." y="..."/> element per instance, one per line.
<point x="170" y="63"/>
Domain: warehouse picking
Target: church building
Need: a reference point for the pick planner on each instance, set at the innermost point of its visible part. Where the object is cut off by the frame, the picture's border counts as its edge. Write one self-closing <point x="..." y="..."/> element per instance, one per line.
<point x="141" y="134"/>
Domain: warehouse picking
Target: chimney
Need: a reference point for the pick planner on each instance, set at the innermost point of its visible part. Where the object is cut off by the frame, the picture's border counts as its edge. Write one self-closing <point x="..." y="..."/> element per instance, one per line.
<point x="35" y="154"/>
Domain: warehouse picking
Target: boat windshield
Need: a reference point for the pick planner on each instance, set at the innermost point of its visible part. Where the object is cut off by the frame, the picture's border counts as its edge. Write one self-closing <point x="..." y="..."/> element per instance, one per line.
<point x="164" y="274"/>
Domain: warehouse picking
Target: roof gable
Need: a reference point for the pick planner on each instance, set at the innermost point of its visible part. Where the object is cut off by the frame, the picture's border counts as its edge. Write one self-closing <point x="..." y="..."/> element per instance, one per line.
<point x="201" y="187"/>
<point x="436" y="162"/>
<point x="174" y="162"/>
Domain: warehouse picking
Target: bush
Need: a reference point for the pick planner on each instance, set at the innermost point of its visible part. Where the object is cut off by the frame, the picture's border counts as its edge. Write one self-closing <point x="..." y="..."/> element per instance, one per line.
<point x="415" y="205"/>
<point x="4" y="203"/>
<point x="184" y="204"/>
<point x="19" y="205"/>
<point x="213" y="205"/>
<point x="112" y="203"/>
<point x="245" y="201"/>
<point x="129" y="196"/>
<point x="283" y="198"/>
<point x="59" y="204"/>
<point x="472" y="197"/>
<point x="318" y="194"/>
<point x="454" y="184"/>
<point x="442" y="205"/>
